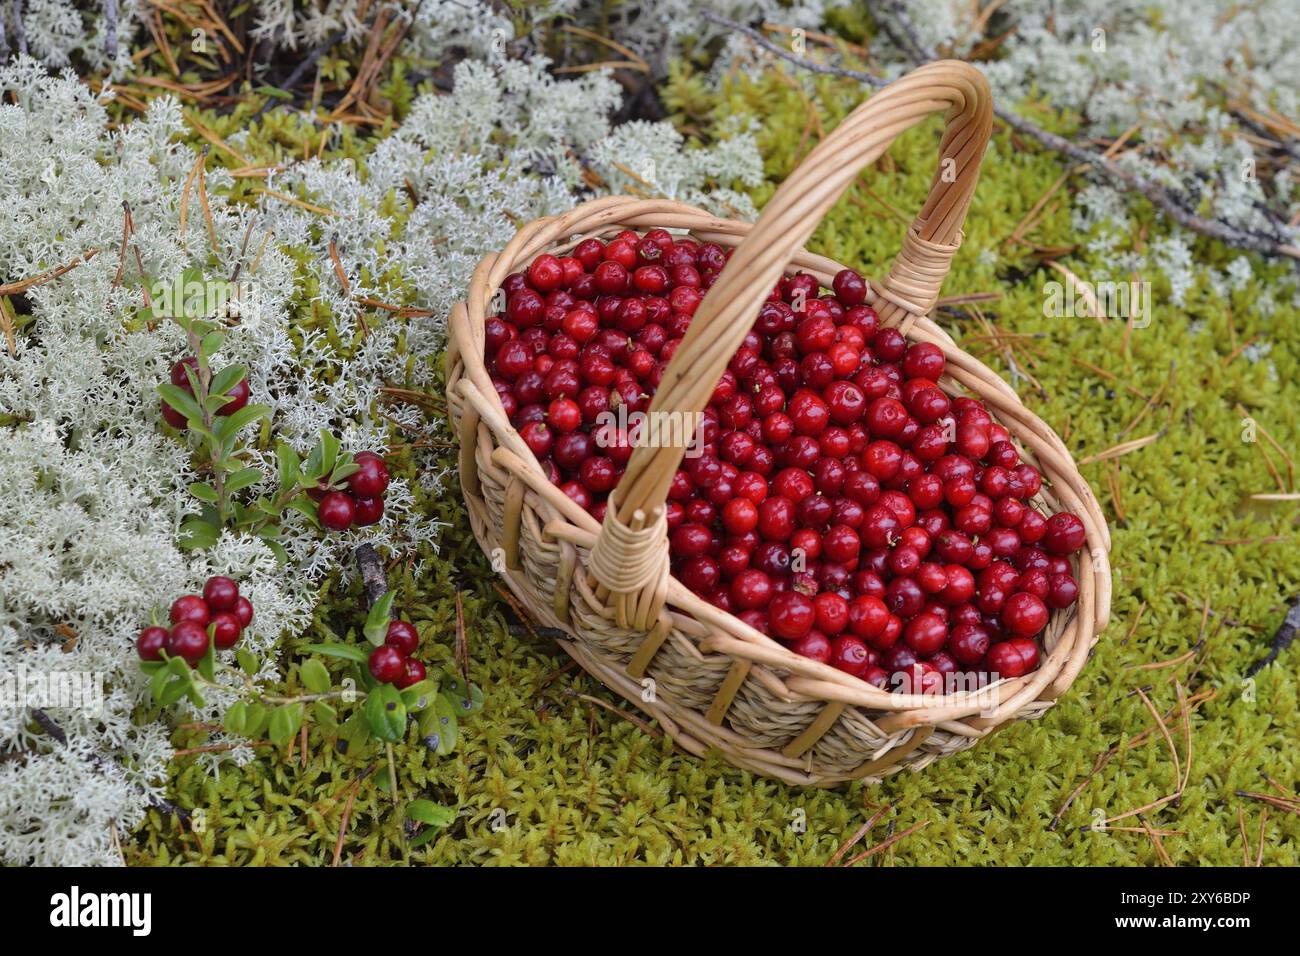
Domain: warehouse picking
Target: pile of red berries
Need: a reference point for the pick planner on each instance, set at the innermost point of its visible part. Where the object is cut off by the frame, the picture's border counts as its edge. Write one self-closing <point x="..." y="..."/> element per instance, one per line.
<point x="238" y="393"/>
<point x="220" y="607"/>
<point x="843" y="503"/>
<point x="392" y="663"/>
<point x="363" y="501"/>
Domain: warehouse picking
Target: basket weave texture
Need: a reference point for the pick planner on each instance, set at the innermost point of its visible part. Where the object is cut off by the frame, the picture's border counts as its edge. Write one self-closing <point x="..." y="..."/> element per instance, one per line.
<point x="712" y="682"/>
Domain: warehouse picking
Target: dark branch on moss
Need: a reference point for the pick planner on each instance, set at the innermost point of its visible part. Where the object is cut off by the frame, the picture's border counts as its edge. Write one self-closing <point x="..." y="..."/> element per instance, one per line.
<point x="371" y="568"/>
<point x="110" y="29"/>
<point x="301" y="69"/>
<point x="1285" y="636"/>
<point x="20" y="33"/>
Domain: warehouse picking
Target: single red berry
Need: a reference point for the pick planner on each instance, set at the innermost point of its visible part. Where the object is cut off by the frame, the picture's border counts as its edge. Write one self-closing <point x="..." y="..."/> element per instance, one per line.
<point x="924" y="360"/>
<point x="968" y="643"/>
<point x="751" y="589"/>
<point x="190" y="607"/>
<point x="226" y="629"/>
<point x="1024" y="614"/>
<point x="832" y="612"/>
<point x="1065" y="534"/>
<point x="220" y="594"/>
<point x="925" y="634"/>
<point x="367" y="511"/>
<point x="850" y="654"/>
<point x="791" y="614"/>
<point x="850" y="288"/>
<point x="1062" y="591"/>
<point x="546" y="273"/>
<point x="868" y="617"/>
<point x="814" y="645"/>
<point x="337" y="510"/>
<point x="413" y="672"/>
<point x="387" y="664"/>
<point x="188" y="639"/>
<point x="370" y="480"/>
<point x="244" y="611"/>
<point x="564" y="415"/>
<point x="402" y="636"/>
<point x="1013" y="658"/>
<point x="151" y="642"/>
<point x="739" y="515"/>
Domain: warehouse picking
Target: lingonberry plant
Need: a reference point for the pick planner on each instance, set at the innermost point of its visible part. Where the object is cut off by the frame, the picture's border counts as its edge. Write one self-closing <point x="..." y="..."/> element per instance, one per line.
<point x="387" y="690"/>
<point x="845" y="502"/>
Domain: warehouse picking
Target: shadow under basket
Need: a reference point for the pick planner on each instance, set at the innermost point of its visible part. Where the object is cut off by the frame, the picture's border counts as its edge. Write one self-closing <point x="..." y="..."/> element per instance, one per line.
<point x="714" y="683"/>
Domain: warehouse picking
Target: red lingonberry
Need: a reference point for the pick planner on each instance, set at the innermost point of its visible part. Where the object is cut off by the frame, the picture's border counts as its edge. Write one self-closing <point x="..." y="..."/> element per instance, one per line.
<point x="1013" y="658"/>
<point x="367" y="511"/>
<point x="370" y="480"/>
<point x="190" y="607"/>
<point x="188" y="639"/>
<point x="1065" y="534"/>
<point x="387" y="664"/>
<point x="151" y="643"/>
<point x="1024" y="614"/>
<point x="336" y="511"/>
<point x="220" y="594"/>
<point x="403" y="636"/>
<point x="226" y="628"/>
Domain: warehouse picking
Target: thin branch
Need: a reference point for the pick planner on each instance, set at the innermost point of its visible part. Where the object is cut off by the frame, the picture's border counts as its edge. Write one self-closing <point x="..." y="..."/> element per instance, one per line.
<point x="20" y="32"/>
<point x="110" y="29"/>
<point x="372" y="572"/>
<point x="1286" y="634"/>
<point x="301" y="69"/>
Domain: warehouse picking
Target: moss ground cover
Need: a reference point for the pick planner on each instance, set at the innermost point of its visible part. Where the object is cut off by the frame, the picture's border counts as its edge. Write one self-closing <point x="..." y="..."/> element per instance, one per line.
<point x="553" y="771"/>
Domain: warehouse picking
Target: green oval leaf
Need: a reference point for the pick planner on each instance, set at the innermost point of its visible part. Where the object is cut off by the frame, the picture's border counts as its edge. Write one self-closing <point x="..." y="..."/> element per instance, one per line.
<point x="439" y="726"/>
<point x="314" y="676"/>
<point x="420" y="695"/>
<point x="180" y="400"/>
<point x="242" y="479"/>
<point x="288" y="463"/>
<point x="386" y="713"/>
<point x="226" y="379"/>
<point x="467" y="698"/>
<point x="204" y="492"/>
<point x="256" y="719"/>
<point x="236" y="718"/>
<point x="426" y="811"/>
<point x="325" y="715"/>
<point x="247" y="661"/>
<point x="285" y="722"/>
<point x="347" y="652"/>
<point x="376" y="629"/>
<point x="174" y="691"/>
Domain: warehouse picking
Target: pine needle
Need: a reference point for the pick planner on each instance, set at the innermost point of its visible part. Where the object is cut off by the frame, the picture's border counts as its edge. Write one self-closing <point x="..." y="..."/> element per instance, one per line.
<point x="887" y="843"/>
<point x="1123" y="448"/>
<point x="862" y="831"/>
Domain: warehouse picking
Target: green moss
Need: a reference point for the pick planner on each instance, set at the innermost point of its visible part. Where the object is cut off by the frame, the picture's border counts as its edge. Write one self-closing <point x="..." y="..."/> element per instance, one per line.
<point x="541" y="776"/>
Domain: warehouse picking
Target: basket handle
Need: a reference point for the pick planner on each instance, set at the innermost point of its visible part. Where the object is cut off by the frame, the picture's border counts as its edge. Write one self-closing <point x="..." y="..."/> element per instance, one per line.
<point x="630" y="558"/>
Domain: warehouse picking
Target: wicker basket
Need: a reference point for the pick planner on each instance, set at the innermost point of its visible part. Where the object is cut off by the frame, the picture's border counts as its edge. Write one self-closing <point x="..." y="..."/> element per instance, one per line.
<point x="716" y="684"/>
